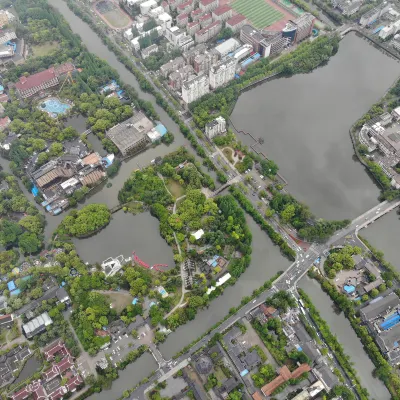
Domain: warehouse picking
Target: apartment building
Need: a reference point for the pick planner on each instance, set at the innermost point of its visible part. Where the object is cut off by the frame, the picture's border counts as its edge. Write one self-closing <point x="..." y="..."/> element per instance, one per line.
<point x="208" y="32"/>
<point x="208" y="5"/>
<point x="222" y="72"/>
<point x="195" y="88"/>
<point x="222" y="13"/>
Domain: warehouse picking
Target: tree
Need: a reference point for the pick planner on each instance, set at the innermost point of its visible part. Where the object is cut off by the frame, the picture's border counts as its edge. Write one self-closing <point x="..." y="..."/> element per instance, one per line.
<point x="32" y="223"/>
<point x="9" y="232"/>
<point x="288" y="213"/>
<point x="374" y="293"/>
<point x="29" y="243"/>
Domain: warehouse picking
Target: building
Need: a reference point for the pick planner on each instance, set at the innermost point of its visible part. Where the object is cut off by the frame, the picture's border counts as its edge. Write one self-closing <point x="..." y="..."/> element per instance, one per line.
<point x="128" y="34"/>
<point x="379" y="307"/>
<point x="195" y="88"/>
<point x="130" y="136"/>
<point x="186" y="7"/>
<point x="284" y="376"/>
<point x="196" y="14"/>
<point x="388" y="342"/>
<point x="192" y="27"/>
<point x="182" y="20"/>
<point x="251" y="36"/>
<point x="226" y="47"/>
<point x="164" y="20"/>
<point x="148" y="51"/>
<point x="32" y="84"/>
<point x="177" y="78"/>
<point x="236" y="22"/>
<point x="216" y="127"/>
<point x="6" y="321"/>
<point x="173" y="65"/>
<point x="146" y="6"/>
<point x="6" y="17"/>
<point x="242" y="52"/>
<point x="222" y="72"/>
<point x="372" y="15"/>
<point x="36" y="325"/>
<point x="208" y="5"/>
<point x="389" y="30"/>
<point x="274" y="44"/>
<point x="178" y="38"/>
<point x="155" y="12"/>
<point x="203" y="62"/>
<point x="300" y="28"/>
<point x="222" y="13"/>
<point x="349" y="7"/>
<point x="190" y="55"/>
<point x="11" y="361"/>
<point x="205" y="34"/>
<point x="205" y="20"/>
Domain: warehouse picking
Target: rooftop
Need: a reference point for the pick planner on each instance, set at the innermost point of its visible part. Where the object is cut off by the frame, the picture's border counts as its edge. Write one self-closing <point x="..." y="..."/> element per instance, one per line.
<point x="377" y="308"/>
<point x="237" y="19"/>
<point x="389" y="340"/>
<point x="222" y="10"/>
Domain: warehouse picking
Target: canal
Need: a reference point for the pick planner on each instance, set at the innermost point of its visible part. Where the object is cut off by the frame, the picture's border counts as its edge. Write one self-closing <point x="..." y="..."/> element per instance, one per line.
<point x="341" y="327"/>
<point x="305" y="120"/>
<point x="124" y="234"/>
<point x="384" y="235"/>
<point x="128" y="378"/>
<point x="266" y="261"/>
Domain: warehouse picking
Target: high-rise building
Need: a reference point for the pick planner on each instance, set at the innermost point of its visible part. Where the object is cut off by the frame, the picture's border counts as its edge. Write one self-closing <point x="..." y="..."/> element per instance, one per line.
<point x="274" y="44"/>
<point x="222" y="72"/>
<point x="215" y="127"/>
<point x="208" y="32"/>
<point x="194" y="88"/>
<point x="299" y="29"/>
<point x="250" y="35"/>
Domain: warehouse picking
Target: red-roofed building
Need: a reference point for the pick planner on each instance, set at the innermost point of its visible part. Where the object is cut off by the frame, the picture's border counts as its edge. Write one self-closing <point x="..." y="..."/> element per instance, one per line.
<point x="165" y="6"/>
<point x="57" y="347"/>
<point x="208" y="5"/>
<point x="222" y="13"/>
<point x="284" y="376"/>
<point x="3" y="98"/>
<point x="236" y="22"/>
<point x="73" y="383"/>
<point x="196" y="14"/>
<point x="269" y="312"/>
<point x="182" y="20"/>
<point x="205" y="20"/>
<point x="4" y="122"/>
<point x="193" y="27"/>
<point x="208" y="32"/>
<point x="185" y="7"/>
<point x="29" y="86"/>
<point x="257" y="396"/>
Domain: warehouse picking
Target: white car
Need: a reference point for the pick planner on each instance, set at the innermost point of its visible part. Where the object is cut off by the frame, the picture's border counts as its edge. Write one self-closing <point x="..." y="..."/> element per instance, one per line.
<point x="307" y="255"/>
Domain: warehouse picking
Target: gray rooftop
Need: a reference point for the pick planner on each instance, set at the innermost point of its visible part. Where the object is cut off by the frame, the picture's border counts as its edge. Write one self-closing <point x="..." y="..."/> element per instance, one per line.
<point x="37" y="325"/>
<point x="310" y="349"/>
<point x="301" y="333"/>
<point x="389" y="340"/>
<point x="327" y="376"/>
<point x="375" y="309"/>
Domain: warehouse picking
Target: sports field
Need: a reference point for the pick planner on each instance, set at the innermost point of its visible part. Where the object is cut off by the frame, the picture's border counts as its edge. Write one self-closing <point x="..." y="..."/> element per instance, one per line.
<point x="112" y="14"/>
<point x="258" y="12"/>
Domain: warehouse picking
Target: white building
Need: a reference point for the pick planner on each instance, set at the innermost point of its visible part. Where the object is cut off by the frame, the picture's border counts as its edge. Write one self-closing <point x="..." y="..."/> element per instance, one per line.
<point x="389" y="30"/>
<point x="194" y="88"/>
<point x="128" y="34"/>
<point x="243" y="52"/>
<point x="179" y="38"/>
<point x="227" y="47"/>
<point x="372" y="15"/>
<point x="208" y="5"/>
<point x="149" y="51"/>
<point x="222" y="72"/>
<point x="147" y="6"/>
<point x="155" y="12"/>
<point x="216" y="127"/>
<point x="164" y="20"/>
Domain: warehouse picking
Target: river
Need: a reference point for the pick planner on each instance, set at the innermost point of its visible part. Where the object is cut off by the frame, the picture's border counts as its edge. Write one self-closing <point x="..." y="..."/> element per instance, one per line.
<point x="305" y="124"/>
<point x="341" y="327"/>
<point x="124" y="234"/>
<point x="384" y="235"/>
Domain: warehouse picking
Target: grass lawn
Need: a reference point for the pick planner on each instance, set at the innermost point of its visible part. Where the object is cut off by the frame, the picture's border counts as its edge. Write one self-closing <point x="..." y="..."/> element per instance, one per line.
<point x="44" y="49"/>
<point x="219" y="374"/>
<point x="175" y="188"/>
<point x="228" y="154"/>
<point x="258" y="12"/>
<point x="116" y="18"/>
<point x="119" y="300"/>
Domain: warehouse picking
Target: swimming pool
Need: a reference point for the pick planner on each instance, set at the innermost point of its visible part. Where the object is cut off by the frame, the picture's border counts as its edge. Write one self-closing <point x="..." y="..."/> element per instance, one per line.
<point x="54" y="107"/>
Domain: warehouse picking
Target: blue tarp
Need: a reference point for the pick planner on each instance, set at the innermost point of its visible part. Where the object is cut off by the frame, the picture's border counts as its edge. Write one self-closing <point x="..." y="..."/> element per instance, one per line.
<point x="11" y="286"/>
<point x="35" y="191"/>
<point x="161" y="129"/>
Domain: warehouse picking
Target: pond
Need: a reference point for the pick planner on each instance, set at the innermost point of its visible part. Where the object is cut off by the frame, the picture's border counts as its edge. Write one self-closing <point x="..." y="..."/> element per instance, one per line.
<point x="31" y="366"/>
<point x="124" y="234"/>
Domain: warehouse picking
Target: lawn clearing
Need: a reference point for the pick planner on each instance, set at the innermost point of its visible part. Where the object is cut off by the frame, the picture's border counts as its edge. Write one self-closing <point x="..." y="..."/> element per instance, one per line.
<point x="258" y="12"/>
<point x="175" y="188"/>
<point x="40" y="50"/>
<point x="118" y="300"/>
<point x="228" y="152"/>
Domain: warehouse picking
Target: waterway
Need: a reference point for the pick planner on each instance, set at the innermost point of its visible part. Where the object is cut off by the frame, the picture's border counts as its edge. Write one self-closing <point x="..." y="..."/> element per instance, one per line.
<point x="31" y="366"/>
<point x="124" y="234"/>
<point x="266" y="261"/>
<point x="128" y="378"/>
<point x="341" y="327"/>
<point x="383" y="234"/>
<point x="305" y="120"/>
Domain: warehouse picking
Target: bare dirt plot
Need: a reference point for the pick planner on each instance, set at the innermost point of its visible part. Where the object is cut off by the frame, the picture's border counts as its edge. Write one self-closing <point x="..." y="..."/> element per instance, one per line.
<point x="119" y="300"/>
<point x="112" y="14"/>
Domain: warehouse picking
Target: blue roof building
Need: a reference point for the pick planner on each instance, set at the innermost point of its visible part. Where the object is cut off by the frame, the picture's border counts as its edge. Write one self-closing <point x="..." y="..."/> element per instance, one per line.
<point x="161" y="129"/>
<point x="11" y="286"/>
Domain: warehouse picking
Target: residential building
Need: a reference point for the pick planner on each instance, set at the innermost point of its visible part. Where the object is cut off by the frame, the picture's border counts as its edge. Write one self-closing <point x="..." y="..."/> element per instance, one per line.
<point x="205" y="34"/>
<point x="300" y="28"/>
<point x="128" y="34"/>
<point x="196" y="14"/>
<point x="216" y="127"/>
<point x="6" y="17"/>
<point x="178" y="77"/>
<point x="36" y="325"/>
<point x="32" y="84"/>
<point x="222" y="72"/>
<point x="155" y="12"/>
<point x="203" y="62"/>
<point x="379" y="307"/>
<point x="6" y="321"/>
<point x="171" y="66"/>
<point x="148" y="51"/>
<point x="190" y="55"/>
<point x="396" y="113"/>
<point x="205" y="20"/>
<point x="222" y="13"/>
<point x="186" y="7"/>
<point x="226" y="47"/>
<point x="182" y="20"/>
<point x="11" y="361"/>
<point x="195" y="88"/>
<point x="372" y="15"/>
<point x="208" y="5"/>
<point x="146" y="6"/>
<point x="165" y="6"/>
<point x="349" y="7"/>
<point x="236" y="22"/>
<point x="179" y="38"/>
<point x="389" y="30"/>
<point x="4" y="123"/>
<point x="192" y="27"/>
<point x="274" y="44"/>
<point x="130" y="136"/>
<point x="164" y="20"/>
<point x="388" y="342"/>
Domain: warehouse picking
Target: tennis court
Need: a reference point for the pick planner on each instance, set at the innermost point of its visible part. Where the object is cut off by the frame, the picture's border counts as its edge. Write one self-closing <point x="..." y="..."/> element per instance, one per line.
<point x="258" y="12"/>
